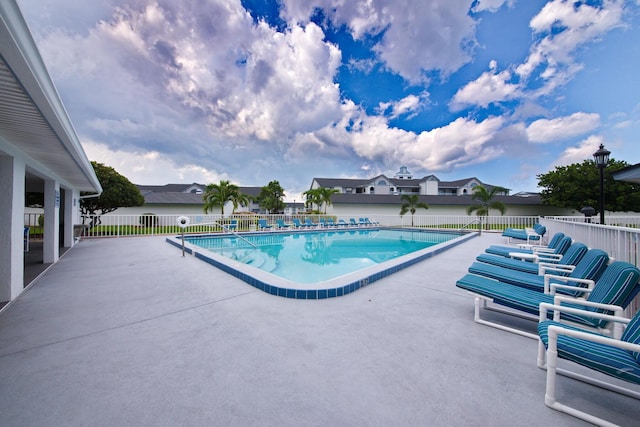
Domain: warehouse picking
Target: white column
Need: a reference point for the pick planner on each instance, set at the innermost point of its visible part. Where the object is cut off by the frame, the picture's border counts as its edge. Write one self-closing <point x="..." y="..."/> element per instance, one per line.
<point x="50" y="244"/>
<point x="69" y="207"/>
<point x="12" y="176"/>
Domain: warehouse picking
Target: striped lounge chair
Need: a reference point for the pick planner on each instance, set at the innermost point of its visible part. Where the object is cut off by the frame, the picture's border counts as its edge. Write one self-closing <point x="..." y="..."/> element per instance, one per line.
<point x="534" y="234"/>
<point x="583" y="274"/>
<point x="528" y="249"/>
<point x="569" y="257"/>
<point x="618" y="358"/>
<point x="617" y="286"/>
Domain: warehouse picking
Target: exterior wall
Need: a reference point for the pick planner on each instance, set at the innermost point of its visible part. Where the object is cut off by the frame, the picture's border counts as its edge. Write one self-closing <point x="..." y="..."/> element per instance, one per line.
<point x="347" y="210"/>
<point x="162" y="210"/>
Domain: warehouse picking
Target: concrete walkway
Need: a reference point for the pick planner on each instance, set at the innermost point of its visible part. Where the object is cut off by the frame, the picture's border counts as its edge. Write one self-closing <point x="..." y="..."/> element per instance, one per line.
<point x="126" y="332"/>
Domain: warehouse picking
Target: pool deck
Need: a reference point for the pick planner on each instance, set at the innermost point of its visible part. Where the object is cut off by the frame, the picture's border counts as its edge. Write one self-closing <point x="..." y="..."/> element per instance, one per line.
<point x="128" y="332"/>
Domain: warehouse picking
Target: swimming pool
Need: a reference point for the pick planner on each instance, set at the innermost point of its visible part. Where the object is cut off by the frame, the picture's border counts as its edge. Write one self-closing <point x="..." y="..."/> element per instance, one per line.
<point x="317" y="264"/>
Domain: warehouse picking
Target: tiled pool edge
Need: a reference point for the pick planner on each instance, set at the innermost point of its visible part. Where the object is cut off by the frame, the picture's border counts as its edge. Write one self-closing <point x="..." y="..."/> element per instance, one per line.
<point x="320" y="293"/>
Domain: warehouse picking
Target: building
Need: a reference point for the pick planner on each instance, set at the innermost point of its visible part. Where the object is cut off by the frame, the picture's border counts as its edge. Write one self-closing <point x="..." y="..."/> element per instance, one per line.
<point x="402" y="183"/>
<point x="39" y="153"/>
<point x="381" y="195"/>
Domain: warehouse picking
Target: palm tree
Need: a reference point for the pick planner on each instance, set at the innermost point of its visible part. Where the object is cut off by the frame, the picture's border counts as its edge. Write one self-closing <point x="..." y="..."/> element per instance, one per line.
<point x="270" y="198"/>
<point x="325" y="194"/>
<point x="219" y="194"/>
<point x="485" y="198"/>
<point x="314" y="197"/>
<point x="410" y="203"/>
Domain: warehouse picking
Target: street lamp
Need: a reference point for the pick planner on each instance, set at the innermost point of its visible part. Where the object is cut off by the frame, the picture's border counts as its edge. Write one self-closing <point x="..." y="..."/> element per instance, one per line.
<point x="601" y="157"/>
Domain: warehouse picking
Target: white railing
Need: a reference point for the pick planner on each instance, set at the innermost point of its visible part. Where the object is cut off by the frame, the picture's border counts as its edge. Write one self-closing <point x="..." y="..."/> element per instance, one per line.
<point x="137" y="225"/>
<point x="621" y="242"/>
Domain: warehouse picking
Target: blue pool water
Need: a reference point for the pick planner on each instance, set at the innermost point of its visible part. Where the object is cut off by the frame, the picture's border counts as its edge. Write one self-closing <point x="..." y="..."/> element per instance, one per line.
<point x="313" y="257"/>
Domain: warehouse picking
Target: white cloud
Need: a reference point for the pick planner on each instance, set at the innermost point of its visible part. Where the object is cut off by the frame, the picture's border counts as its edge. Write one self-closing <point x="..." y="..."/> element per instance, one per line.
<point x="490" y="87"/>
<point x="418" y="36"/>
<point x="150" y="167"/>
<point x="460" y="143"/>
<point x="410" y="105"/>
<point x="545" y="130"/>
<point x="491" y="5"/>
<point x="565" y="26"/>
<point x="580" y="153"/>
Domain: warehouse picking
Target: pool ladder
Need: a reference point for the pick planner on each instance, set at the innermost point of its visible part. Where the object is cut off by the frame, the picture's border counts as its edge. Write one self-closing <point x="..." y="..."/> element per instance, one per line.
<point x="228" y="230"/>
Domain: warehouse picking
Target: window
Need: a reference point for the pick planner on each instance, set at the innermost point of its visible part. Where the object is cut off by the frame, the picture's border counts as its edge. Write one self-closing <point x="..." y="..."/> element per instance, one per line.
<point x="382" y="182"/>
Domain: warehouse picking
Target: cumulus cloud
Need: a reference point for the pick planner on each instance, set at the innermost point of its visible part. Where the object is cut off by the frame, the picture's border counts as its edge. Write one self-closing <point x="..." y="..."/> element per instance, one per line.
<point x="408" y="105"/>
<point x="434" y="35"/>
<point x="562" y="27"/>
<point x="545" y="130"/>
<point x="490" y="5"/>
<point x="491" y="87"/>
<point x="460" y="143"/>
<point x="149" y="166"/>
<point x="578" y="154"/>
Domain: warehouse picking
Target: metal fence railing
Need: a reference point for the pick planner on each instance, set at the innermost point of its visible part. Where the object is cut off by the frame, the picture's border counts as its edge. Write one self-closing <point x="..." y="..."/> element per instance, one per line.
<point x="620" y="241"/>
<point x="150" y="225"/>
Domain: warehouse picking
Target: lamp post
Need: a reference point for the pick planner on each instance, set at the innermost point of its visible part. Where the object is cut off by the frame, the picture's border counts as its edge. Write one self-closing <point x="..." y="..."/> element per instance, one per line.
<point x="601" y="157"/>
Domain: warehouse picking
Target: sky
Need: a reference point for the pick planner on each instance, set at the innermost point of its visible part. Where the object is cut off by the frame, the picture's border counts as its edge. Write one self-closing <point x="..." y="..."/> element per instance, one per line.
<point x="250" y="91"/>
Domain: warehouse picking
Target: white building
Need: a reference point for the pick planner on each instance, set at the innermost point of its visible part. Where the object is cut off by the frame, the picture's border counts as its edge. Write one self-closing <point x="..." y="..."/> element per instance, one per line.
<point x="39" y="153"/>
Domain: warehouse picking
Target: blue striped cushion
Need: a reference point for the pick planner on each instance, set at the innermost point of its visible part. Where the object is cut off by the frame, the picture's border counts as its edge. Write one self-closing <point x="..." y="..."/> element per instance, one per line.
<point x="514" y="264"/>
<point x="505" y="250"/>
<point x="508" y="275"/>
<point x="618" y="285"/>
<point x="632" y="334"/>
<point x="618" y="363"/>
<point x="591" y="265"/>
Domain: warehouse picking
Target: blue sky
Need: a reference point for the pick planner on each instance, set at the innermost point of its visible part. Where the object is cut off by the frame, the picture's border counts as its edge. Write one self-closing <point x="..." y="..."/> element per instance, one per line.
<point x="173" y="91"/>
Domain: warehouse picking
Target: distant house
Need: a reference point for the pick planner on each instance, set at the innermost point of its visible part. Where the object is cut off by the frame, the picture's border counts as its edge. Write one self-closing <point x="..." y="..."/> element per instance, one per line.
<point x="381" y="195"/>
<point x="179" y="199"/>
<point x="402" y="183"/>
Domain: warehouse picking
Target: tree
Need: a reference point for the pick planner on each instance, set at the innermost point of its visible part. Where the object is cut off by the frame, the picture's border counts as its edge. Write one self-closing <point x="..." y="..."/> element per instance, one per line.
<point x="220" y="194"/>
<point x="486" y="202"/>
<point x="410" y="203"/>
<point x="270" y="197"/>
<point x="313" y="197"/>
<point x="325" y="196"/>
<point x="117" y="192"/>
<point x="578" y="185"/>
<point x="320" y="196"/>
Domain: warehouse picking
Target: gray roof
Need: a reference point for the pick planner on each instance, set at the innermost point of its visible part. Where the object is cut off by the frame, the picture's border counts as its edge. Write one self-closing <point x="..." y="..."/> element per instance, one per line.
<point x="394" y="199"/>
<point x="349" y="182"/>
<point x="173" y="199"/>
<point x="173" y="194"/>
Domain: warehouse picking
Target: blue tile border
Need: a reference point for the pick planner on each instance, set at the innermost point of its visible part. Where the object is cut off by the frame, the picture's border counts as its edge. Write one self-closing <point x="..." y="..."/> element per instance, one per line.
<point x="318" y="293"/>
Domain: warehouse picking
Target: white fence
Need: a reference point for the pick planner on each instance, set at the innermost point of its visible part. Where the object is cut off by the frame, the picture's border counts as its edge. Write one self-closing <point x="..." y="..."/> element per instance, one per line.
<point x="620" y="241"/>
<point x="136" y="225"/>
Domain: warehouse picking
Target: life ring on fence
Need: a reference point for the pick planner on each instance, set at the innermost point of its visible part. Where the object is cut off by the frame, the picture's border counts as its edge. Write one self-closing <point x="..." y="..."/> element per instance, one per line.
<point x="183" y="221"/>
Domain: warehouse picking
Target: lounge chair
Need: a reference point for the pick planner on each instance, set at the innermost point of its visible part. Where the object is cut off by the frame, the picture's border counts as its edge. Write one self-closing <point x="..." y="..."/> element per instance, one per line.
<point x="342" y="223"/>
<point x="534" y="234"/>
<point x="618" y="356"/>
<point x="310" y="224"/>
<point x="262" y="225"/>
<point x="587" y="270"/>
<point x="617" y="285"/>
<point x="530" y="265"/>
<point x="372" y="223"/>
<point x="331" y="223"/>
<point x="353" y="223"/>
<point x="233" y="226"/>
<point x="280" y="225"/>
<point x="524" y="248"/>
<point x="297" y="224"/>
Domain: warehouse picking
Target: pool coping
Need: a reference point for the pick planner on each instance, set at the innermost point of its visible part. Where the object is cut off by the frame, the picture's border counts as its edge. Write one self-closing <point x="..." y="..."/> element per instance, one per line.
<point x="332" y="288"/>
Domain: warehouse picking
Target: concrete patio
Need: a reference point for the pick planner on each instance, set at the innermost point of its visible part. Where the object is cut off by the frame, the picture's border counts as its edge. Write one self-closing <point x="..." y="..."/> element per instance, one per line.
<point x="128" y="332"/>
